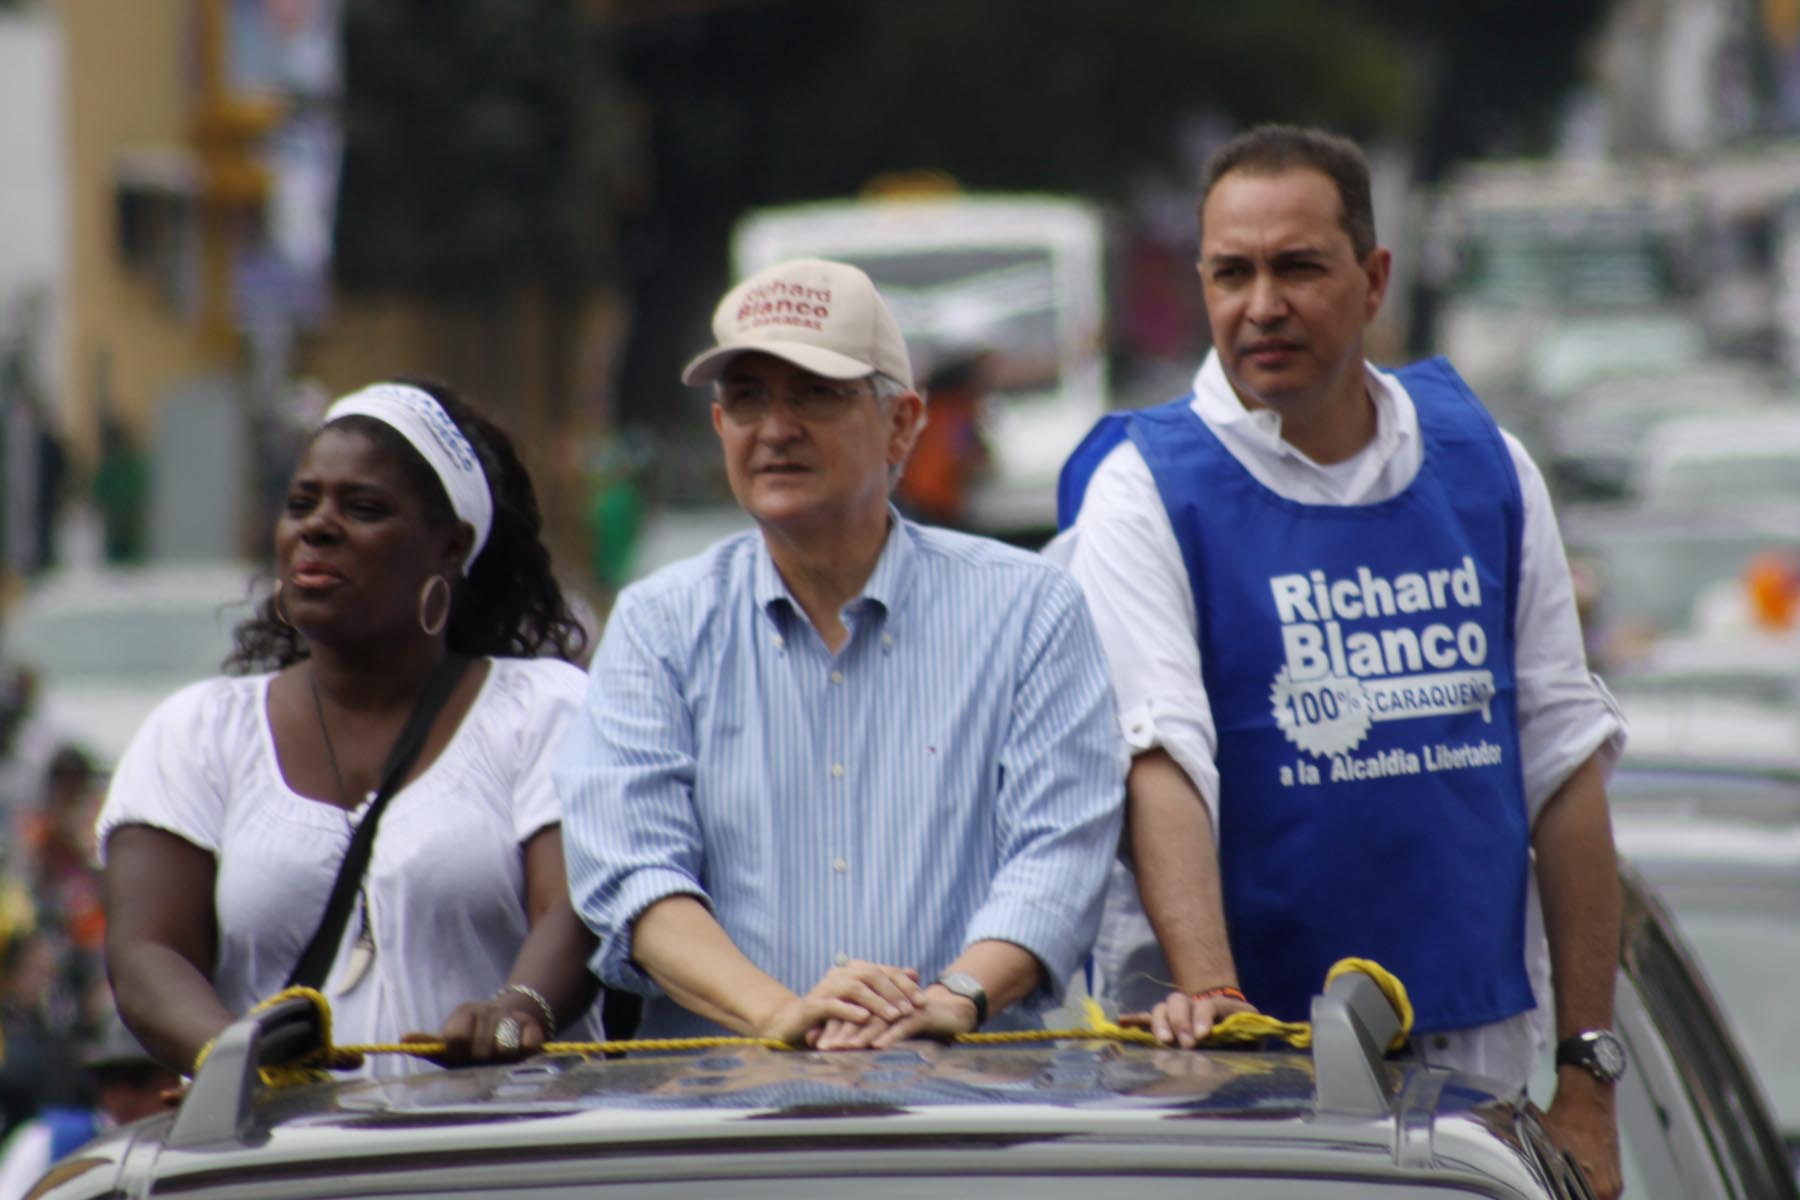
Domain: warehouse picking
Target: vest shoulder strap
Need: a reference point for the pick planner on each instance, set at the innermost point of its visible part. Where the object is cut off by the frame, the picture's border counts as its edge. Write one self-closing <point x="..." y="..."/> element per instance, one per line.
<point x="1085" y="459"/>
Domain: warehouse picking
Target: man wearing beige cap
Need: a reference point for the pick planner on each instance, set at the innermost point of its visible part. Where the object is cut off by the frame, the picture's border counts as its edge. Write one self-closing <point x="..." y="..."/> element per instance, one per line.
<point x="844" y="779"/>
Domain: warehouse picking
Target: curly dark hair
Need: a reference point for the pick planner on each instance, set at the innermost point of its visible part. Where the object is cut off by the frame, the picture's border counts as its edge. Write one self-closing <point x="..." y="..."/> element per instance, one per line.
<point x="509" y="605"/>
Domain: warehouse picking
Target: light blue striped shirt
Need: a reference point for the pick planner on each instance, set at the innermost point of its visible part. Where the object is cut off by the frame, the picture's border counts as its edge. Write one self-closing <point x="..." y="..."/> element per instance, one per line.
<point x="953" y="774"/>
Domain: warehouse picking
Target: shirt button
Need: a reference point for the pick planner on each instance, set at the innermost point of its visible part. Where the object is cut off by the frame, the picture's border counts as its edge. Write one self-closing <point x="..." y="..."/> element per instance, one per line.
<point x="842" y="960"/>
<point x="837" y="677"/>
<point x="780" y="641"/>
<point x="887" y="639"/>
<point x="839" y="865"/>
<point x="837" y="769"/>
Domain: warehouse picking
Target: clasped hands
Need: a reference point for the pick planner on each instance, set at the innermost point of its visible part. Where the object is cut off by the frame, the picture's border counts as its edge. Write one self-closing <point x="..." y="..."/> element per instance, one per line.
<point x="867" y="1006"/>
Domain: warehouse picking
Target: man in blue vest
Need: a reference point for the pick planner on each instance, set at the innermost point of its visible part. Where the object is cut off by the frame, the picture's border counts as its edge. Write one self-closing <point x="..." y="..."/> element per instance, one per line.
<point x="1343" y="637"/>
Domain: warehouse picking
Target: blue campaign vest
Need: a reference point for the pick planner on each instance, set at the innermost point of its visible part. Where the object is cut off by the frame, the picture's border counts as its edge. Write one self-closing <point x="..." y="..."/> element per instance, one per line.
<point x="1359" y="662"/>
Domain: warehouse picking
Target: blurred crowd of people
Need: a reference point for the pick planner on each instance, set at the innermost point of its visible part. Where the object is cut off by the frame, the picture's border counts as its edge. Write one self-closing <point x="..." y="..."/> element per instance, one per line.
<point x="54" y="1000"/>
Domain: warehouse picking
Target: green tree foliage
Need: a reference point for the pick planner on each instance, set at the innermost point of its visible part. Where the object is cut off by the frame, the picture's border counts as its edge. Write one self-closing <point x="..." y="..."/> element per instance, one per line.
<point x="485" y="141"/>
<point x="756" y="102"/>
<point x="497" y="144"/>
<point x="792" y="98"/>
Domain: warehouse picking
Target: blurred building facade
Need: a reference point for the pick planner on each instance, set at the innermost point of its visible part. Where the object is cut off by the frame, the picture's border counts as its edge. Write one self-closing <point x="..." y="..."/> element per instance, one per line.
<point x="193" y="191"/>
<point x="33" y="284"/>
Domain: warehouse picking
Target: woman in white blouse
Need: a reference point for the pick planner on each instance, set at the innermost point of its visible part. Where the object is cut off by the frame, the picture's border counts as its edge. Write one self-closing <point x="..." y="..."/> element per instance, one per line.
<point x="410" y="531"/>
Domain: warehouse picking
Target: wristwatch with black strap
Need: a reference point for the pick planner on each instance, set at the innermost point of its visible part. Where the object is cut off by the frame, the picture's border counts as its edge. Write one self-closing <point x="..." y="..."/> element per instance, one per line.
<point x="969" y="988"/>
<point x="1599" y="1052"/>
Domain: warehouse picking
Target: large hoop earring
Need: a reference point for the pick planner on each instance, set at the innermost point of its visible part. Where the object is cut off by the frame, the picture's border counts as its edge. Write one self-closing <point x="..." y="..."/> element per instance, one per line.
<point x="275" y="603"/>
<point x="433" y="628"/>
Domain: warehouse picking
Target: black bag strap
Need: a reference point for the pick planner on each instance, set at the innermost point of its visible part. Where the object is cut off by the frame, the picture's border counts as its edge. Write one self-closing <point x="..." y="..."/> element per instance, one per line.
<point x="322" y="950"/>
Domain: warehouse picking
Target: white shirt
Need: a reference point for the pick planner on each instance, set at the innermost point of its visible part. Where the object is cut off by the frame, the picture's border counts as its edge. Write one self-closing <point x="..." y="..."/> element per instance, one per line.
<point x="445" y="889"/>
<point x="1122" y="549"/>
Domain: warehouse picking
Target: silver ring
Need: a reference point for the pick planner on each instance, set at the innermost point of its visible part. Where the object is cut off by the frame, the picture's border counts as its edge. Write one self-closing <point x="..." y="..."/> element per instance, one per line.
<point x="506" y="1034"/>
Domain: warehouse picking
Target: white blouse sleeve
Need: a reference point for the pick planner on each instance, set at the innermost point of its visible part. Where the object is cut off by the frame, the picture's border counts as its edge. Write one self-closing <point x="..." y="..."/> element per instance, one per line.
<point x="553" y="692"/>
<point x="170" y="776"/>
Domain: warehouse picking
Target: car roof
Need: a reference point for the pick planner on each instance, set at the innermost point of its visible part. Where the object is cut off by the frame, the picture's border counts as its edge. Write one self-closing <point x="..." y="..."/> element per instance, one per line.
<point x="1048" y="1106"/>
<point x="1068" y="1105"/>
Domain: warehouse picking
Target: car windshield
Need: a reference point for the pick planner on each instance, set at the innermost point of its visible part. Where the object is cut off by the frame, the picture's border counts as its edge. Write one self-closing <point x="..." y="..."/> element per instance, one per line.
<point x="1606" y="260"/>
<point x="950" y="298"/>
<point x="1748" y="943"/>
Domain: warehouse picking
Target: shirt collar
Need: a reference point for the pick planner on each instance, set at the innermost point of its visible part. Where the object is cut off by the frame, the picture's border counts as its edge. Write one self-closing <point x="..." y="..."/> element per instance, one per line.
<point x="887" y="585"/>
<point x="766" y="582"/>
<point x="1396" y="420"/>
<point x="892" y="577"/>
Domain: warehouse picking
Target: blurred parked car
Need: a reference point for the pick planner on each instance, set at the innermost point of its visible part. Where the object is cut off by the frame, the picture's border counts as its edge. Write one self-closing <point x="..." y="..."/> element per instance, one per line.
<point x="1741" y="665"/>
<point x="1715" y="702"/>
<point x="1729" y="460"/>
<point x="1653" y="568"/>
<point x="1722" y="851"/>
<point x="107" y="643"/>
<point x="1043" y="1121"/>
<point x="1705" y="733"/>
<point x="1020" y="275"/>
<point x="1581" y="348"/>
<point x="1597" y="434"/>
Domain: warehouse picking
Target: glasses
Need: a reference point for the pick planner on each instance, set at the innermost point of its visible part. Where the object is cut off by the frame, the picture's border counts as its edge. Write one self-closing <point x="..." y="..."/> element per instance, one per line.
<point x="746" y="401"/>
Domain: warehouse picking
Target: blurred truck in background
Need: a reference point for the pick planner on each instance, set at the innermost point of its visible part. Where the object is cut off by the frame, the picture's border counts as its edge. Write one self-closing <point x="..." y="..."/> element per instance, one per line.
<point x="1022" y="276"/>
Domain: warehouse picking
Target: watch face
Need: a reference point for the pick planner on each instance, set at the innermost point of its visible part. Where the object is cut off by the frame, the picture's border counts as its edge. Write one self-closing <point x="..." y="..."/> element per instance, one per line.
<point x="1609" y="1055"/>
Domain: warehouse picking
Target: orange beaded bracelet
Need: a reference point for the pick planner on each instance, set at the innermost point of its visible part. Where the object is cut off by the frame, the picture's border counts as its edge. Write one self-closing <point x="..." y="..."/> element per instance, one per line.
<point x="1222" y="990"/>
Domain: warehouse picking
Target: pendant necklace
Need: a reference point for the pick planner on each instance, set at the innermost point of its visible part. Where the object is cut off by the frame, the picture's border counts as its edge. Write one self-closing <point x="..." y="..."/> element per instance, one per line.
<point x="362" y="954"/>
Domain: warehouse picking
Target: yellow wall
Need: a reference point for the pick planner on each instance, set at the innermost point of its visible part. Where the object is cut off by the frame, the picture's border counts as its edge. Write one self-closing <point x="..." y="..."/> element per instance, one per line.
<point x="542" y="368"/>
<point x="128" y="79"/>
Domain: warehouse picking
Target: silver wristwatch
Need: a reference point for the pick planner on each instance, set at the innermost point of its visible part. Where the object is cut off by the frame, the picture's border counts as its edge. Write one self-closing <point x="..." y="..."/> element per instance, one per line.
<point x="970" y="989"/>
<point x="1599" y="1052"/>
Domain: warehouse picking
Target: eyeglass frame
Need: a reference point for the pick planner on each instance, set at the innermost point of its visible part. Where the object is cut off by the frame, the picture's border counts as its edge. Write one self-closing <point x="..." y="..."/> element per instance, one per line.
<point x="838" y="396"/>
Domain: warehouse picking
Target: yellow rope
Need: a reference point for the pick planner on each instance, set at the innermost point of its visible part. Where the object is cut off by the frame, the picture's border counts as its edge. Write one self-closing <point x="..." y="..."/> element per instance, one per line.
<point x="640" y="1045"/>
<point x="1391" y="987"/>
<point x="311" y="1067"/>
<point x="1235" y="1030"/>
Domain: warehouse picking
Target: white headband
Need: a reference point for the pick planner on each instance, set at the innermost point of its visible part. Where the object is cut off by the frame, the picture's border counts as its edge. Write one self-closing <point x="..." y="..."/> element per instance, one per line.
<point x="422" y="421"/>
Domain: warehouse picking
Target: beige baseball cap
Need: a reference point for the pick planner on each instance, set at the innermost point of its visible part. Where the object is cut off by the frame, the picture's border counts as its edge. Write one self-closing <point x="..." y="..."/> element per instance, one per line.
<point x="823" y="316"/>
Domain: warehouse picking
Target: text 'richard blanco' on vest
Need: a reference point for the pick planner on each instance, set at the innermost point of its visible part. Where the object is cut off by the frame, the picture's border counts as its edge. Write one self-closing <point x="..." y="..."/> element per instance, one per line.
<point x="1333" y="686"/>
